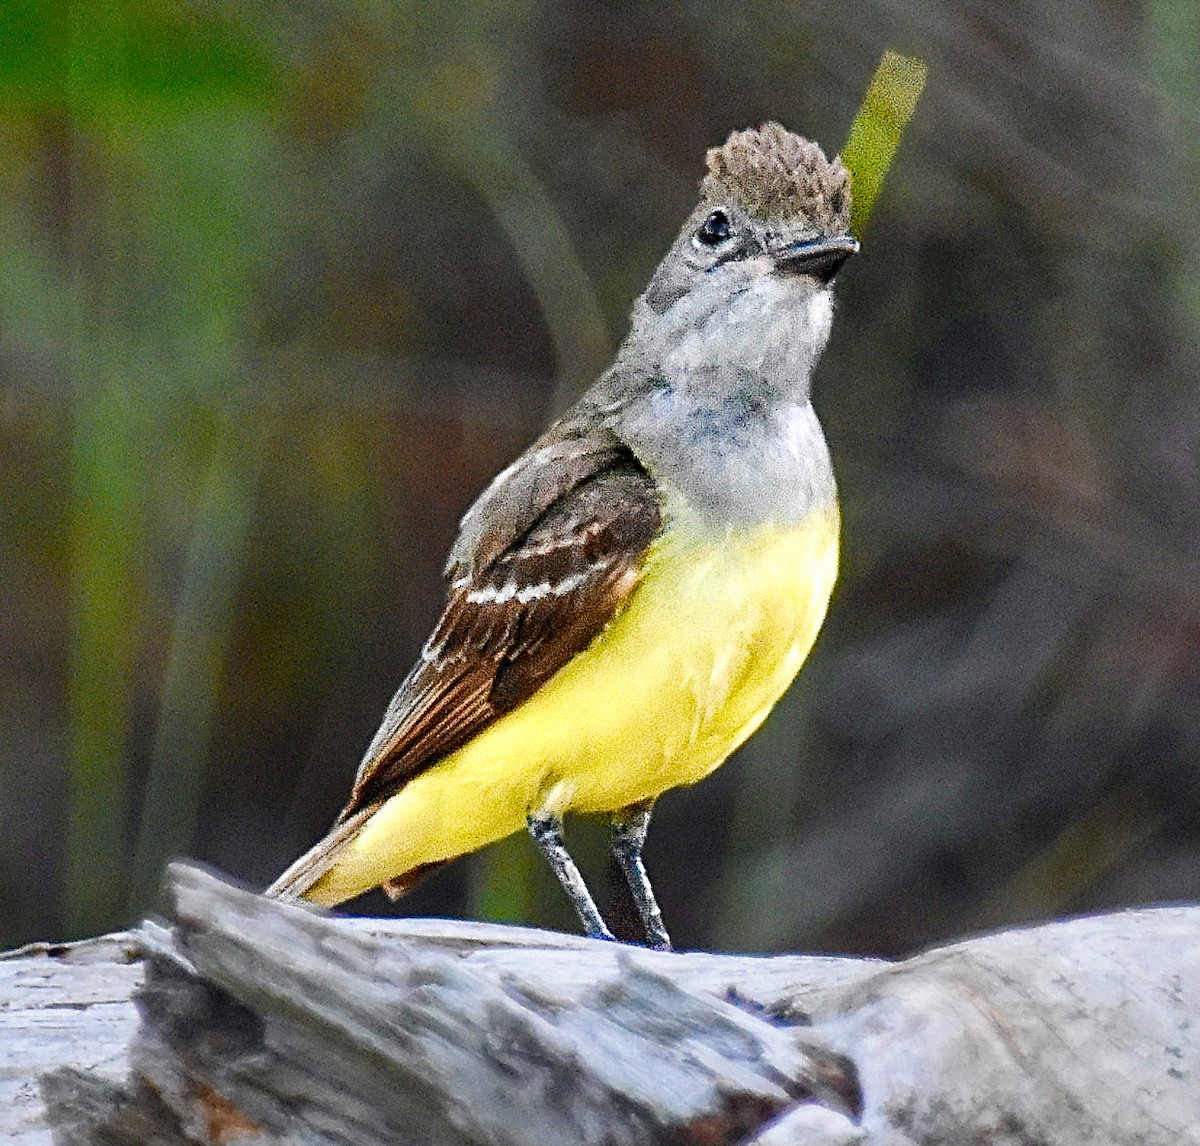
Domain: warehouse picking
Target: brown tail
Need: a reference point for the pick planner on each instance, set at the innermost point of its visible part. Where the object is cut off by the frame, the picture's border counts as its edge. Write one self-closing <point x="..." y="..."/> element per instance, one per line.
<point x="402" y="884"/>
<point x="298" y="880"/>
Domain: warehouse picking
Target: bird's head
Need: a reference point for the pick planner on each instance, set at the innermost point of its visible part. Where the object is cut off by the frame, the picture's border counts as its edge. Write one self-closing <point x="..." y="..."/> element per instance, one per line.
<point x="754" y="262"/>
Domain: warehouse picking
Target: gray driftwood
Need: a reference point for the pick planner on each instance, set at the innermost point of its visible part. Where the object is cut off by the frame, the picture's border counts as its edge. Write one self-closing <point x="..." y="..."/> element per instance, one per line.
<point x="249" y="1022"/>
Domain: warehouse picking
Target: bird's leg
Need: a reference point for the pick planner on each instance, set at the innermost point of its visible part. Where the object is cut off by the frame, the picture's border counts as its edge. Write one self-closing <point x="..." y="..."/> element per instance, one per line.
<point x="546" y="830"/>
<point x="629" y="829"/>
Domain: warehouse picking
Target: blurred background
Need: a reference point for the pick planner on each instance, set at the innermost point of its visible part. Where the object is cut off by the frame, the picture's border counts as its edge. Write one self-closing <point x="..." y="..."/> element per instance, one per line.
<point x="283" y="284"/>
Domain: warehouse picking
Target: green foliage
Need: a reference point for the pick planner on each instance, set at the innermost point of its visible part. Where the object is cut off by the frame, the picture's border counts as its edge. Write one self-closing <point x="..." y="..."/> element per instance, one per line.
<point x="158" y="116"/>
<point x="875" y="134"/>
<point x="98" y="60"/>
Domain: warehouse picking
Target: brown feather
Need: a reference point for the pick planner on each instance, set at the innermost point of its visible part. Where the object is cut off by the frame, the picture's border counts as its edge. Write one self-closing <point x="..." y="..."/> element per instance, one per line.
<point x="578" y="525"/>
<point x="401" y="885"/>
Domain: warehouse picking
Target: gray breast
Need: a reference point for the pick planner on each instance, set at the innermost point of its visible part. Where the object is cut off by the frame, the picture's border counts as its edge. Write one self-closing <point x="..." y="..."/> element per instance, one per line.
<point x="743" y="459"/>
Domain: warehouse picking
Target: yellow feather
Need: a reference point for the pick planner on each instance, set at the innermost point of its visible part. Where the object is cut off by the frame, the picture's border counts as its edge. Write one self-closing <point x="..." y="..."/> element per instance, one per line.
<point x="708" y="642"/>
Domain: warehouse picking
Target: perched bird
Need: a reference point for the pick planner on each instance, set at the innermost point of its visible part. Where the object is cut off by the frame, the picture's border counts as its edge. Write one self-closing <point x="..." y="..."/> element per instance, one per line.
<point x="629" y="598"/>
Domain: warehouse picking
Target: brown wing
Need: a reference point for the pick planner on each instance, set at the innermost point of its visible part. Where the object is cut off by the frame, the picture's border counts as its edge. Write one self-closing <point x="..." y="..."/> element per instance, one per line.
<point x="578" y="516"/>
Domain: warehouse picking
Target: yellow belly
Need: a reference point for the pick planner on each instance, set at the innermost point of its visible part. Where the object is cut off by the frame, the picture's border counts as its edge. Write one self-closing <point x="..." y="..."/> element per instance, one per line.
<point x="708" y="642"/>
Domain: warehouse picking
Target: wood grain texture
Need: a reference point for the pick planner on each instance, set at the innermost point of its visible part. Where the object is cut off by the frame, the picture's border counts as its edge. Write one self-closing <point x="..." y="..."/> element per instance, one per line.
<point x="63" y="1004"/>
<point x="264" y="1022"/>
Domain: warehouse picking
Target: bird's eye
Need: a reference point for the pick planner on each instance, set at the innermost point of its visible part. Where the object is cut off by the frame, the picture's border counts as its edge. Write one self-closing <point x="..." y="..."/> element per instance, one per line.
<point x="714" y="229"/>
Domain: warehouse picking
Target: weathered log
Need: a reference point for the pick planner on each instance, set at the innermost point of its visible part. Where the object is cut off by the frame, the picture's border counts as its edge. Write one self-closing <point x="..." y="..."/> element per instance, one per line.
<point x="267" y="1023"/>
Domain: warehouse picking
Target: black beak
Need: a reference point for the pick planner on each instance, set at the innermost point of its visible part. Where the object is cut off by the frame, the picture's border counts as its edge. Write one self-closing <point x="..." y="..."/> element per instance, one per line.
<point x="821" y="258"/>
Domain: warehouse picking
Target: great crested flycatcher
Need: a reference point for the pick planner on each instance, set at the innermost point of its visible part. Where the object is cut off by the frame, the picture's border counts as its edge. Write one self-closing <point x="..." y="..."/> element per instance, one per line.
<point x="630" y="597"/>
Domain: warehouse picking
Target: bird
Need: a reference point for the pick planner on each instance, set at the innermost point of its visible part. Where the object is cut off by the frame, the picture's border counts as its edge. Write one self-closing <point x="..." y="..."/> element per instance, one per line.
<point x="628" y="599"/>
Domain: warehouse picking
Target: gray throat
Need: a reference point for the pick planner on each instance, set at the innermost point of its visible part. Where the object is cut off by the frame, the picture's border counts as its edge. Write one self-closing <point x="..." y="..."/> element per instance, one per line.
<point x="747" y="458"/>
<point x="723" y="424"/>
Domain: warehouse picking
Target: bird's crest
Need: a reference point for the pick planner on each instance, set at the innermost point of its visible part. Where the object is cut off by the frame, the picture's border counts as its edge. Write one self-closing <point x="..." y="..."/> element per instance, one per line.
<point x="779" y="175"/>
